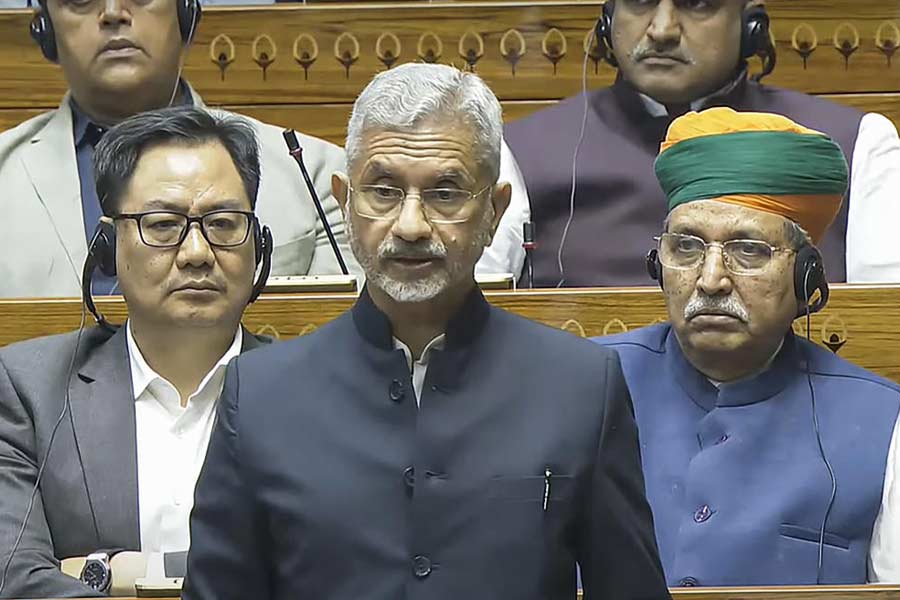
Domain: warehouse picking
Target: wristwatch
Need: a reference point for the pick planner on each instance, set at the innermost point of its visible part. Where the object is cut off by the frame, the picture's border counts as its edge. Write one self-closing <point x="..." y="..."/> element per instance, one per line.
<point x="96" y="573"/>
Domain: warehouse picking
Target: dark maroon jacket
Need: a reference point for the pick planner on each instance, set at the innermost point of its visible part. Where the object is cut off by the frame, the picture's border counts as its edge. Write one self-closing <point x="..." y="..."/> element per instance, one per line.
<point x="619" y="205"/>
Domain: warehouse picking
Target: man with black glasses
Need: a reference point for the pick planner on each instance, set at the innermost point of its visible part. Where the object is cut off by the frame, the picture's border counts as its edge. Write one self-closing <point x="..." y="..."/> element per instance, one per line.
<point x="768" y="459"/>
<point x="178" y="189"/>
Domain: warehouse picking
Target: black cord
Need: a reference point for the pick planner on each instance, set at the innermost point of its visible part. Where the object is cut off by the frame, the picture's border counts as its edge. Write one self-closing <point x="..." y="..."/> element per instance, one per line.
<point x="812" y="395"/>
<point x="67" y="407"/>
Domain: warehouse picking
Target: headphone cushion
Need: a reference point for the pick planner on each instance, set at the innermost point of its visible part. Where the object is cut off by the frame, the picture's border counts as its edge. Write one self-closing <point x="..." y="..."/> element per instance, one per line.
<point x="189" y="12"/>
<point x="754" y="32"/>
<point x="41" y="31"/>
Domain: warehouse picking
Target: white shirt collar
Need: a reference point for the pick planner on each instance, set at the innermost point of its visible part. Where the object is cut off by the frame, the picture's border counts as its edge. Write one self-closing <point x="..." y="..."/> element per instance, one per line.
<point x="143" y="375"/>
<point x="437" y="343"/>
<point x="657" y="109"/>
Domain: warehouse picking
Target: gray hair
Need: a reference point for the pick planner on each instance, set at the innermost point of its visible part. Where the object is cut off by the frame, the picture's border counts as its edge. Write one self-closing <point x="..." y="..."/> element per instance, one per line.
<point x="406" y="96"/>
<point x="797" y="237"/>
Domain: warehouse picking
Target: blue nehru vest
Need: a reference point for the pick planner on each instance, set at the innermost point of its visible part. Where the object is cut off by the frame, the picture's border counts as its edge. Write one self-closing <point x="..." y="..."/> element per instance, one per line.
<point x="734" y="475"/>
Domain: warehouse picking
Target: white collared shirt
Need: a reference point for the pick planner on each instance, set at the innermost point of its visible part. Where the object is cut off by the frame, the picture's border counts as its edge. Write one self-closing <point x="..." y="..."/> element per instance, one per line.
<point x="418" y="368"/>
<point x="171" y="447"/>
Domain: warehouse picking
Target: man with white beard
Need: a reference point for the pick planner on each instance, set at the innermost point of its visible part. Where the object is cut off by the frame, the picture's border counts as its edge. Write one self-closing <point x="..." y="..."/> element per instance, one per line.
<point x="425" y="444"/>
<point x="768" y="459"/>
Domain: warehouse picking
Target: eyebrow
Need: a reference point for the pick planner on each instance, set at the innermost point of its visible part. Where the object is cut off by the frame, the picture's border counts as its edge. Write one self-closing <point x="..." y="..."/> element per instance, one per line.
<point x="224" y="204"/>
<point x="738" y="234"/>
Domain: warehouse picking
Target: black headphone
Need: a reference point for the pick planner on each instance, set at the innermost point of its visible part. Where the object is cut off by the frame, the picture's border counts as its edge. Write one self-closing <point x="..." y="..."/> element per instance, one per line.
<point x="41" y="28"/>
<point x="809" y="277"/>
<point x="101" y="256"/>
<point x="754" y="33"/>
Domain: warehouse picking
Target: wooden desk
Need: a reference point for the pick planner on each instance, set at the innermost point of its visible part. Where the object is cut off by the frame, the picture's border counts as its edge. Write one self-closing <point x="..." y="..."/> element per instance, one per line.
<point x="861" y="323"/>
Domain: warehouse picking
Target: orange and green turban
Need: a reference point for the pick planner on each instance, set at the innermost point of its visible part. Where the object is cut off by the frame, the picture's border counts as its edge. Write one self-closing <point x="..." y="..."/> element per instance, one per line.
<point x="758" y="160"/>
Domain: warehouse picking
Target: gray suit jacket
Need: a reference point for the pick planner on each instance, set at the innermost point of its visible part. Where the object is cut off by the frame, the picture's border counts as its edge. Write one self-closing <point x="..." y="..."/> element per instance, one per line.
<point x="33" y="382"/>
<point x="44" y="243"/>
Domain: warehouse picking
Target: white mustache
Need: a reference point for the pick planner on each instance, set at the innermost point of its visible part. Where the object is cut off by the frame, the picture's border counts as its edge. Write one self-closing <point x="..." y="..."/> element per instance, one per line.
<point x="645" y="50"/>
<point x="725" y="305"/>
<point x="393" y="248"/>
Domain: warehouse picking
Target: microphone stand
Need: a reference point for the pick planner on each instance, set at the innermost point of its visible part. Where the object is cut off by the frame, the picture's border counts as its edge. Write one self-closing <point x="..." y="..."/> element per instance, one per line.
<point x="296" y="151"/>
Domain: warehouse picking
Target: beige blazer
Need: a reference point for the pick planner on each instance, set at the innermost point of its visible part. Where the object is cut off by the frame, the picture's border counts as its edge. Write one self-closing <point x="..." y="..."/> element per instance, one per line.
<point x="42" y="239"/>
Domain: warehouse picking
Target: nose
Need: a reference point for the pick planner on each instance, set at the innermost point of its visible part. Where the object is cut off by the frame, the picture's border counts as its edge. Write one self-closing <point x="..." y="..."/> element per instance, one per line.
<point x="195" y="251"/>
<point x="115" y="13"/>
<point x="715" y="279"/>
<point x="411" y="224"/>
<point x="665" y="27"/>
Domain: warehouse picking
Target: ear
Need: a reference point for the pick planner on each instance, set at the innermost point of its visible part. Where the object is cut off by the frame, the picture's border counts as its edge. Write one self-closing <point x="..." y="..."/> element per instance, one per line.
<point x="500" y="196"/>
<point x="340" y="189"/>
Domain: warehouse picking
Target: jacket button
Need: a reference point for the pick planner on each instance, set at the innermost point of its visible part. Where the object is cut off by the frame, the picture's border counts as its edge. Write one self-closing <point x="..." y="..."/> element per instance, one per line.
<point x="409" y="477"/>
<point x="688" y="582"/>
<point x="396" y="390"/>
<point x="421" y="567"/>
<point x="702" y="514"/>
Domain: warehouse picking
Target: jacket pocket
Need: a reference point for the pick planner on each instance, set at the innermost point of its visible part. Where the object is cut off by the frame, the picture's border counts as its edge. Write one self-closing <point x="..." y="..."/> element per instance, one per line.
<point x="812" y="535"/>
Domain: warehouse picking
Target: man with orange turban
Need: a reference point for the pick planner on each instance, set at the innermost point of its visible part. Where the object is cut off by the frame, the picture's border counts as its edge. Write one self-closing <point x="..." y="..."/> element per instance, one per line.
<point x="768" y="459"/>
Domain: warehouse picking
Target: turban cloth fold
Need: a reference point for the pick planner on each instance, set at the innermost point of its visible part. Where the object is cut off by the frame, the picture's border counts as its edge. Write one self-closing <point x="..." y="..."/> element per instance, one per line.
<point x="758" y="160"/>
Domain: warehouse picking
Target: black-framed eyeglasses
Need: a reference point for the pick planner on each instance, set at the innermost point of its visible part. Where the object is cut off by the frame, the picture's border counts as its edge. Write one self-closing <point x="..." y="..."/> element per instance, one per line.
<point x="741" y="257"/>
<point x="168" y="229"/>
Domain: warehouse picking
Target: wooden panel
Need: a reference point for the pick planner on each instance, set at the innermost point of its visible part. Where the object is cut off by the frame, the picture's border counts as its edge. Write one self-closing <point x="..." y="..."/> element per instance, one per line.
<point x="27" y="80"/>
<point x="861" y="322"/>
<point x="329" y="121"/>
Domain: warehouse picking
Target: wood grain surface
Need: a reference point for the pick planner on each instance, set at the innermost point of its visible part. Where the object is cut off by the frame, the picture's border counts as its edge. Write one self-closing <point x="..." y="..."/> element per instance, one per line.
<point x="329" y="121"/>
<point x="553" y="33"/>
<point x="861" y="323"/>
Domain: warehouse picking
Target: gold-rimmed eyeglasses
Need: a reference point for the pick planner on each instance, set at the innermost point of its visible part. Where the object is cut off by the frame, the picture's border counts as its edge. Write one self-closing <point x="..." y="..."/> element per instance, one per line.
<point x="741" y="257"/>
<point x="439" y="205"/>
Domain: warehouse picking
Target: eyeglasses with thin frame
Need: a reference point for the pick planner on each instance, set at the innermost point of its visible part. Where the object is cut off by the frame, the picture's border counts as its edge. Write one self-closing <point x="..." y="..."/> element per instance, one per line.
<point x="168" y="229"/>
<point x="440" y="205"/>
<point x="741" y="257"/>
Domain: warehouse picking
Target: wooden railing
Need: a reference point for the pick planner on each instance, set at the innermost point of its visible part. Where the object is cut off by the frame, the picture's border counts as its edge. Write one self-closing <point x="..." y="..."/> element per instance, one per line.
<point x="861" y="323"/>
<point x="303" y="65"/>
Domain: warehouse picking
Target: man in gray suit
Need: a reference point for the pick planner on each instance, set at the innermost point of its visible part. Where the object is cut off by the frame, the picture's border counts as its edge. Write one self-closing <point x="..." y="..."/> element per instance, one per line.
<point x="122" y="57"/>
<point x="129" y="410"/>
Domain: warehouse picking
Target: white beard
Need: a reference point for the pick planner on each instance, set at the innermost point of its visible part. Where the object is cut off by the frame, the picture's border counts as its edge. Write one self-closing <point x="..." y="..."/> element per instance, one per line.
<point x="426" y="288"/>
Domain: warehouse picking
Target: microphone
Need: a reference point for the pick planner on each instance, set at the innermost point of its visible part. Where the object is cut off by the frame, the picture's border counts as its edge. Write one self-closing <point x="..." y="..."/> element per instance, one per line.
<point x="528" y="244"/>
<point x="294" y="149"/>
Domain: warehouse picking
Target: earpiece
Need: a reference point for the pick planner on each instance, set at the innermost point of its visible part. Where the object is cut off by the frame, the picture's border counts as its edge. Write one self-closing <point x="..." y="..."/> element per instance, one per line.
<point x="654" y="267"/>
<point x="41" y="27"/>
<point x="101" y="256"/>
<point x="264" y="247"/>
<point x="603" y="33"/>
<point x="755" y="37"/>
<point x="809" y="277"/>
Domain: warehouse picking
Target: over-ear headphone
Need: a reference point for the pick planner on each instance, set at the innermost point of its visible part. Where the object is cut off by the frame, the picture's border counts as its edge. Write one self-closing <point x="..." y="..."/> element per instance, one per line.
<point x="754" y="32"/>
<point x="809" y="277"/>
<point x="41" y="27"/>
<point x="101" y="256"/>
